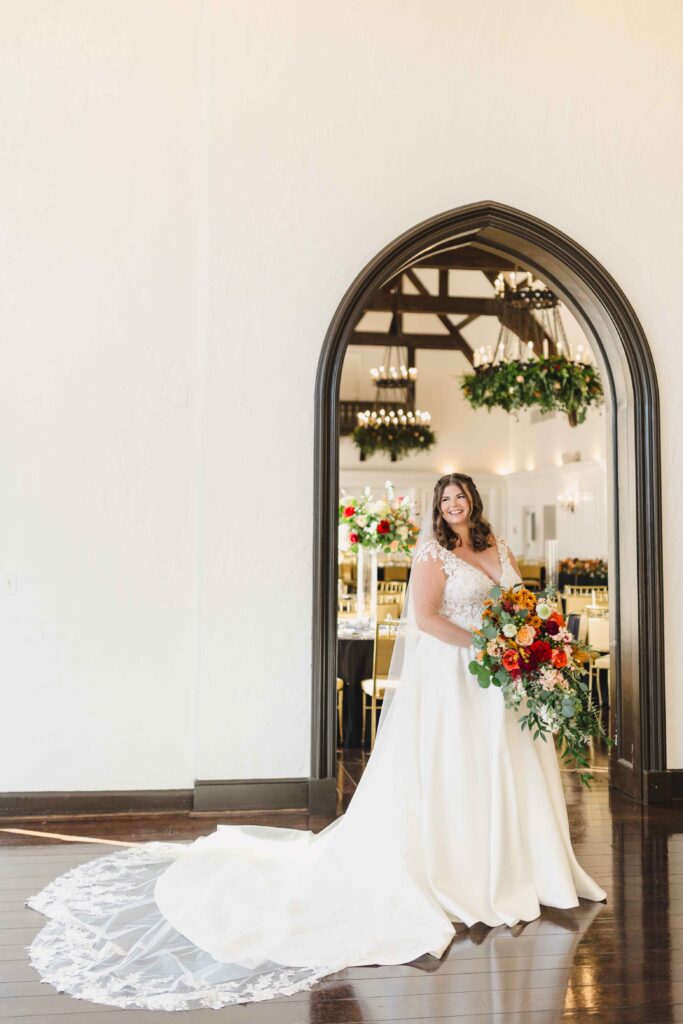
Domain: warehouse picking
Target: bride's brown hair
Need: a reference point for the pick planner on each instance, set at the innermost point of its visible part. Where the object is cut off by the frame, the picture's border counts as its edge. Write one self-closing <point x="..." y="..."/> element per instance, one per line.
<point x="480" y="528"/>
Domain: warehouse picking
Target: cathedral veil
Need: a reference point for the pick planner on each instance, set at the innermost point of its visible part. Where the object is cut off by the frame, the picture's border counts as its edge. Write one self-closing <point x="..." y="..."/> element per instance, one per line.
<point x="402" y="668"/>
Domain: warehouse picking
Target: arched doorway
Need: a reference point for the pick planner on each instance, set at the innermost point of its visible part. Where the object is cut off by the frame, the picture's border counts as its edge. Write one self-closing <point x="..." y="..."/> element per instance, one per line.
<point x="638" y="761"/>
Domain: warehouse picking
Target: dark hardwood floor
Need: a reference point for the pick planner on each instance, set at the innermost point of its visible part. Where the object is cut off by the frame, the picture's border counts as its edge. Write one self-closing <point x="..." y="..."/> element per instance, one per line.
<point x="616" y="962"/>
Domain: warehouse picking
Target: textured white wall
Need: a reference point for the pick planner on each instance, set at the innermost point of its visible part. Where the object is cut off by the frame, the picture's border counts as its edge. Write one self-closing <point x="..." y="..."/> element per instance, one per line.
<point x="187" y="191"/>
<point x="98" y="343"/>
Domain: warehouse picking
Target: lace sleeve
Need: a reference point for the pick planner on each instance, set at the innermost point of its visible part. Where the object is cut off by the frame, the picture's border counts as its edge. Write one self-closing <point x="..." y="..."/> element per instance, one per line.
<point x="507" y="559"/>
<point x="430" y="550"/>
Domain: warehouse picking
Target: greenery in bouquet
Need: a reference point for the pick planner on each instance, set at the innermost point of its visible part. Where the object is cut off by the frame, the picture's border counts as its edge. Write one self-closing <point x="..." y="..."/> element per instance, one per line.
<point x="383" y="524"/>
<point x="524" y="647"/>
<point x="593" y="568"/>
<point x="552" y="384"/>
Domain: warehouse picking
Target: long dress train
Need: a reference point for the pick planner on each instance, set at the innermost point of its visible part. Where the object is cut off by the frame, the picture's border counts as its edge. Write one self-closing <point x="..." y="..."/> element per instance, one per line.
<point x="459" y="816"/>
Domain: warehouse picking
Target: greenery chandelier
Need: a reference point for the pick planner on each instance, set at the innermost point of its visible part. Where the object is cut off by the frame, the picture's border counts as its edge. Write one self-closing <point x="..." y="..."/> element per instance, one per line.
<point x="521" y="372"/>
<point x="398" y="432"/>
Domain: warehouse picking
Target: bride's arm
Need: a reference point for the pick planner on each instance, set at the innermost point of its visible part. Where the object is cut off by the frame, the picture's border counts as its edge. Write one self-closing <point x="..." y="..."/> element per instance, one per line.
<point x="426" y="583"/>
<point x="513" y="560"/>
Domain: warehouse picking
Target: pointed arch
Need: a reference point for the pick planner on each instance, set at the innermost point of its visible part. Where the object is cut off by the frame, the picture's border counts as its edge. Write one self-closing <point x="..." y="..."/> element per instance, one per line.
<point x="638" y="763"/>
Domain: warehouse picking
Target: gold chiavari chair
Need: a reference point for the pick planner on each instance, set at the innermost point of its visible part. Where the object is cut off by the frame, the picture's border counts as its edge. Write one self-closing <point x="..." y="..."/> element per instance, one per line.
<point x="576" y="604"/>
<point x="391" y="587"/>
<point x="577" y="598"/>
<point x="373" y="690"/>
<point x="396" y="572"/>
<point x="390" y="592"/>
<point x="388" y="609"/>
<point x="347" y="573"/>
<point x="598" y="639"/>
<point x="530" y="571"/>
<point x="346" y="605"/>
<point x="340" y="707"/>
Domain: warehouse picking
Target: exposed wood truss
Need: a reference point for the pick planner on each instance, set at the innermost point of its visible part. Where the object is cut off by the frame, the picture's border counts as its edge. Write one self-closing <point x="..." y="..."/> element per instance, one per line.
<point x="443" y="305"/>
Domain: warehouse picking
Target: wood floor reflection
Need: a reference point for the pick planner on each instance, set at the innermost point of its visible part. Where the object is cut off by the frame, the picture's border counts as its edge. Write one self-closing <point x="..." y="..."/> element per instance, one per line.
<point x="616" y="962"/>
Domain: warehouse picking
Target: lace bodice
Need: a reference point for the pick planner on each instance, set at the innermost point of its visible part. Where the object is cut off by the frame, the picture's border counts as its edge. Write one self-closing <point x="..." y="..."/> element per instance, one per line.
<point x="466" y="586"/>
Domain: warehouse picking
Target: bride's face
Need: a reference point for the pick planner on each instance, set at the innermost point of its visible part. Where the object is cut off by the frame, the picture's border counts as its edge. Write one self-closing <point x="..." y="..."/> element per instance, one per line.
<point x="455" y="506"/>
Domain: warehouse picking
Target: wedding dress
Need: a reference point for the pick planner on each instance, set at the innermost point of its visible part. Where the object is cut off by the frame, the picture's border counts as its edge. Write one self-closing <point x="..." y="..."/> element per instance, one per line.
<point x="459" y="816"/>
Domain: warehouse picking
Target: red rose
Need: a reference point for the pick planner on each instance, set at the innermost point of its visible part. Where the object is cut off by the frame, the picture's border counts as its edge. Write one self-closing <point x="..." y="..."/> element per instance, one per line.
<point x="551" y="627"/>
<point x="349" y="511"/>
<point x="528" y="659"/>
<point x="384" y="526"/>
<point x="354" y="538"/>
<point x="507" y="606"/>
<point x="542" y="650"/>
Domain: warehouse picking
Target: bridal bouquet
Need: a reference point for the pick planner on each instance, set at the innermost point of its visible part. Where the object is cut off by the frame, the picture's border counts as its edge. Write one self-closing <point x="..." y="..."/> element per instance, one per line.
<point x="524" y="647"/>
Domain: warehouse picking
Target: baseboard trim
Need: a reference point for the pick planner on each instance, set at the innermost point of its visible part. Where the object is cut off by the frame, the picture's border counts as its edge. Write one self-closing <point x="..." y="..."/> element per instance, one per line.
<point x="119" y="801"/>
<point x="314" y="796"/>
<point x="663" y="787"/>
<point x="317" y="796"/>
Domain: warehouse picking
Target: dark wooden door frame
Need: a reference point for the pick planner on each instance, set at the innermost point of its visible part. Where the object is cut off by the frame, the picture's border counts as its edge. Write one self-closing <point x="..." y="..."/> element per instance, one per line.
<point x="605" y="314"/>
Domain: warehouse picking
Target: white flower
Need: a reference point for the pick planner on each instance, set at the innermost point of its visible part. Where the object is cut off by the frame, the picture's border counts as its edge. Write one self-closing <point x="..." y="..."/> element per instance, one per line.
<point x="510" y="629"/>
<point x="543" y="610"/>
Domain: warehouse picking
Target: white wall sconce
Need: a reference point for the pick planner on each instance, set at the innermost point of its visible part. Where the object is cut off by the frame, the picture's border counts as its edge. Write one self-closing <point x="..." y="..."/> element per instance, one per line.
<point x="567" y="502"/>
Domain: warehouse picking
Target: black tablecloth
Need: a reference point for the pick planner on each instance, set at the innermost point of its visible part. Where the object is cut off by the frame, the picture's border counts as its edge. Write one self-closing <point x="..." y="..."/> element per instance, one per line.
<point x="572" y="580"/>
<point x="354" y="663"/>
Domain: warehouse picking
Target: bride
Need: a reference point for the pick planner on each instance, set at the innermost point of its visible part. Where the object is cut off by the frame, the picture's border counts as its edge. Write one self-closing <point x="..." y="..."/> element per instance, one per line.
<point x="459" y="817"/>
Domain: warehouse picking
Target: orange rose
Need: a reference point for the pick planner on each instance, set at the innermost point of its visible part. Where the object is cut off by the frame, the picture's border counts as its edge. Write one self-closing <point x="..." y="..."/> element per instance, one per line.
<point x="511" y="660"/>
<point x="559" y="659"/>
<point x="556" y="617"/>
<point x="525" y="635"/>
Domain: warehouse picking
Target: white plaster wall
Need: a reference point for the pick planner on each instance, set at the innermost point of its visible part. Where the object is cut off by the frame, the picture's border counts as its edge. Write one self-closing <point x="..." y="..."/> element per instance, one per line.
<point x="267" y="154"/>
<point x="98" y="345"/>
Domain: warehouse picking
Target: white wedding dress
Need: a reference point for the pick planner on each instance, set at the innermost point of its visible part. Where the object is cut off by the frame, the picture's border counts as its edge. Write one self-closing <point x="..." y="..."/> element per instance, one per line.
<point x="459" y="816"/>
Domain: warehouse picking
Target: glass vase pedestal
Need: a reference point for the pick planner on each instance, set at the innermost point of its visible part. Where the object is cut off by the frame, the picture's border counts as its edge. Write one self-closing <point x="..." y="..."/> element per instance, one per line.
<point x="366" y="583"/>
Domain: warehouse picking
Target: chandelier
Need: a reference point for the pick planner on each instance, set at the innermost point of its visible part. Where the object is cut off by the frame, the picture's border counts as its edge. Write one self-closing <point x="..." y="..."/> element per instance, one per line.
<point x="392" y="423"/>
<point x="391" y="418"/>
<point x="521" y="371"/>
<point x="390" y="376"/>
<point x="529" y="309"/>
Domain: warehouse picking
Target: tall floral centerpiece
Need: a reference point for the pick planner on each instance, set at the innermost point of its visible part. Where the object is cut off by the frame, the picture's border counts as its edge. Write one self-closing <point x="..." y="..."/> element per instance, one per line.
<point x="368" y="524"/>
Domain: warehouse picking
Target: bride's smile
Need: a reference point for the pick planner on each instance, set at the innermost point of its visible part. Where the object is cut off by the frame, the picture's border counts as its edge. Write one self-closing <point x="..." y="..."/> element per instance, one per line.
<point x="455" y="506"/>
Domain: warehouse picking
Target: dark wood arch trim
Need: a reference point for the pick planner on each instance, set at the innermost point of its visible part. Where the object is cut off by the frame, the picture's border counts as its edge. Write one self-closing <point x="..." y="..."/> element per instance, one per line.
<point x="639" y="762"/>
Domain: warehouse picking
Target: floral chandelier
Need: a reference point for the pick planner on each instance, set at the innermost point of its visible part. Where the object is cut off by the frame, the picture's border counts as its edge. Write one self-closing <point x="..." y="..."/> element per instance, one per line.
<point x="392" y="423"/>
<point x="513" y="375"/>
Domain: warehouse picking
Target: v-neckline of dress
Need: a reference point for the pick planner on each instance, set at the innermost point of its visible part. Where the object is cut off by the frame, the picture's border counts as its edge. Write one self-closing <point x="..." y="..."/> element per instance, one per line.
<point x="495" y="583"/>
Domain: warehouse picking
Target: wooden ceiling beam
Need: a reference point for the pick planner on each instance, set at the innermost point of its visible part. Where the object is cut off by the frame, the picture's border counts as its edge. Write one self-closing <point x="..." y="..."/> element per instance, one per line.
<point x="386" y="302"/>
<point x="437" y="342"/>
<point x="448" y="324"/>
<point x="466" y="258"/>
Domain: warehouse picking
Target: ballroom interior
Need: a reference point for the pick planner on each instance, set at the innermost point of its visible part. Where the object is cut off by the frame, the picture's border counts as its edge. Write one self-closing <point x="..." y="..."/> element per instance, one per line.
<point x="263" y="263"/>
<point x="542" y="475"/>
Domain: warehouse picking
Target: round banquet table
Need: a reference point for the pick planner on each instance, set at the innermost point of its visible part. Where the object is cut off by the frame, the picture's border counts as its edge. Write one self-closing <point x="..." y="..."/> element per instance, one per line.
<point x="354" y="663"/>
